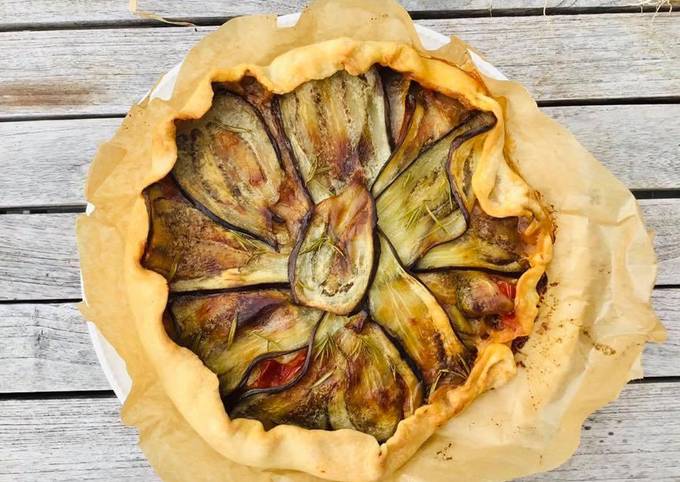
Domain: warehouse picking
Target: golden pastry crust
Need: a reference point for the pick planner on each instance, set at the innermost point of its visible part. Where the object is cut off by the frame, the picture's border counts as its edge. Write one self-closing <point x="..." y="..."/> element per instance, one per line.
<point x="345" y="455"/>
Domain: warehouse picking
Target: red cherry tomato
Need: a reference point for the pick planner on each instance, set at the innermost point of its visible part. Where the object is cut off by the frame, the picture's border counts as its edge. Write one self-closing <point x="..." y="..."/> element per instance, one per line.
<point x="508" y="289"/>
<point x="274" y="373"/>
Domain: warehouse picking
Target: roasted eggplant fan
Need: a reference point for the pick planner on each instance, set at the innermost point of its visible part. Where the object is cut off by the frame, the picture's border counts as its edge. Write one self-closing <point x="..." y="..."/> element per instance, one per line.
<point x="325" y="253"/>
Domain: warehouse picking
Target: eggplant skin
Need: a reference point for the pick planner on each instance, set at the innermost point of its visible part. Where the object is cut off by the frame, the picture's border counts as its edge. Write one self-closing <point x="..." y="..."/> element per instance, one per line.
<point x="226" y="162"/>
<point x="331" y="266"/>
<point x="421" y="208"/>
<point x="285" y="230"/>
<point x="194" y="253"/>
<point x="356" y="379"/>
<point x="422" y="117"/>
<point x="489" y="243"/>
<point x="294" y="202"/>
<point x="337" y="130"/>
<point x="411" y="315"/>
<point x="399" y="100"/>
<point x="227" y="331"/>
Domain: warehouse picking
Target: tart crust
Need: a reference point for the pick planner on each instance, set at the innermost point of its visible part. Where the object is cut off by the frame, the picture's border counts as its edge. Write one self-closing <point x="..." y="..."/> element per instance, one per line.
<point x="345" y="455"/>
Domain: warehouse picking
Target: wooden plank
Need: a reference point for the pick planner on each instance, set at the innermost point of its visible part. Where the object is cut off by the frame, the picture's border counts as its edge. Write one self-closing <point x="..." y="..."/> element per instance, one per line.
<point x="612" y="133"/>
<point x="660" y="359"/>
<point x="46" y="347"/>
<point x="18" y="13"/>
<point x="68" y="439"/>
<point x="620" y="137"/>
<point x="104" y="71"/>
<point x="579" y="56"/>
<point x="663" y="217"/>
<point x="40" y="259"/>
<point x="47" y="161"/>
<point x="634" y="438"/>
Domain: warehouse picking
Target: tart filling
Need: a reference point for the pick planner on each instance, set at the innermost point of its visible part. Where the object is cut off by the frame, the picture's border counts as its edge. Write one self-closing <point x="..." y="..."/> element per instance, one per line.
<point x="325" y="253"/>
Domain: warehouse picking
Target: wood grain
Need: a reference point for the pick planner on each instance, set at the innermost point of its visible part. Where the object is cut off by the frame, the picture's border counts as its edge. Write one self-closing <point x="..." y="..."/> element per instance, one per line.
<point x="619" y="135"/>
<point x="579" y="57"/>
<point x="38" y="174"/>
<point x="661" y="359"/>
<point x="634" y="438"/>
<point x="18" y="13"/>
<point x="663" y="217"/>
<point x="104" y="71"/>
<point x="40" y="259"/>
<point x="46" y="347"/>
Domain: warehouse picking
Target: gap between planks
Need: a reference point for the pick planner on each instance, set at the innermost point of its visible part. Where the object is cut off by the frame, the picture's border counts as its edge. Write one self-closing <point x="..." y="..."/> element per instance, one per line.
<point x="579" y="57"/>
<point x="631" y="439"/>
<point x="46" y="347"/>
<point x="617" y="135"/>
<point x="67" y="14"/>
<point x="40" y="259"/>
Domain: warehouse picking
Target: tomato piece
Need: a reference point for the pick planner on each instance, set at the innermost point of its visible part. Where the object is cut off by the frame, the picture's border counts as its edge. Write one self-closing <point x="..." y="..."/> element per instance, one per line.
<point x="508" y="289"/>
<point x="274" y="373"/>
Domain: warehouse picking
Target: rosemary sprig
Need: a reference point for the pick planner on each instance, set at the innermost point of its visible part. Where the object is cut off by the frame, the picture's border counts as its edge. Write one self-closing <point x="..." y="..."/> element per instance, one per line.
<point x="315" y="245"/>
<point x="316" y="171"/>
<point x="173" y="267"/>
<point x="248" y="245"/>
<point x="232" y="331"/>
<point x="462" y="371"/>
<point x="437" y="222"/>
<point x="320" y="242"/>
<point x="322" y="379"/>
<point x="301" y="284"/>
<point x="412" y="397"/>
<point x="324" y="348"/>
<point x="337" y="249"/>
<point x="449" y="194"/>
<point x="268" y="341"/>
<point x="433" y="387"/>
<point x="371" y="349"/>
<point x="227" y="127"/>
<point x="412" y="216"/>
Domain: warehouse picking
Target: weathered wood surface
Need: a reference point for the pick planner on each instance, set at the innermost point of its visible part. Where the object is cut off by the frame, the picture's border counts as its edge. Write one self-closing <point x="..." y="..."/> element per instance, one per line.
<point x="663" y="217"/>
<point x="19" y="13"/>
<point x="639" y="143"/>
<point x="104" y="71"/>
<point x="40" y="259"/>
<point x="580" y="57"/>
<point x="46" y="347"/>
<point x="634" y="438"/>
<point x="35" y="173"/>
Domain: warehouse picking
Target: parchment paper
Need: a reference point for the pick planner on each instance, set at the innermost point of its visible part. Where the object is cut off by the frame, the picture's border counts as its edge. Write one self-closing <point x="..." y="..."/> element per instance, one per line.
<point x="592" y="325"/>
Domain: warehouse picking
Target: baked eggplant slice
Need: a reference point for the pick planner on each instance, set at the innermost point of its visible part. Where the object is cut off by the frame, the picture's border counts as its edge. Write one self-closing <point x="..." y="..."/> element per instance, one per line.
<point x="194" y="253"/>
<point x="332" y="264"/>
<point x="337" y="131"/>
<point x="227" y="164"/>
<point x="294" y="202"/>
<point x="476" y="302"/>
<point x="356" y="379"/>
<point x="412" y="316"/>
<point x="400" y="102"/>
<point x="423" y="117"/>
<point x="420" y="209"/>
<point x="232" y="331"/>
<point x="489" y="243"/>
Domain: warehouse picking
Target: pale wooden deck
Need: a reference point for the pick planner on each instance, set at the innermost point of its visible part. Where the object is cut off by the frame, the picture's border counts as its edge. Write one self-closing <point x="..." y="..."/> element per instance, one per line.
<point x="69" y="69"/>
